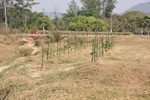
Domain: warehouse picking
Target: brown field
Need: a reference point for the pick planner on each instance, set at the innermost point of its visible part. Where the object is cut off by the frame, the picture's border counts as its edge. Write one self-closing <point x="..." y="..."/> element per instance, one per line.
<point x="122" y="74"/>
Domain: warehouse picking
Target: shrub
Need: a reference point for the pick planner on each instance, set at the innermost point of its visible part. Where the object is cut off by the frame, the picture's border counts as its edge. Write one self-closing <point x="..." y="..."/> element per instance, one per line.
<point x="25" y="51"/>
<point x="22" y="42"/>
<point x="37" y="43"/>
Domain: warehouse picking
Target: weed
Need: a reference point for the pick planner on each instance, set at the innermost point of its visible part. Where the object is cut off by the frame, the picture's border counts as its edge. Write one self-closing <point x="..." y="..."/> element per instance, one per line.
<point x="22" y="42"/>
<point x="37" y="43"/>
<point x="25" y="51"/>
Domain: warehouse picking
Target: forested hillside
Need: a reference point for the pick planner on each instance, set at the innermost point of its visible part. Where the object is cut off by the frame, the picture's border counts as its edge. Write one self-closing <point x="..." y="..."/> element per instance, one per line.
<point x="142" y="7"/>
<point x="94" y="15"/>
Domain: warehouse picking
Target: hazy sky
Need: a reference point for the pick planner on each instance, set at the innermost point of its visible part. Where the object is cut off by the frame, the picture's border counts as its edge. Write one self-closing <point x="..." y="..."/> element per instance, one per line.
<point x="62" y="5"/>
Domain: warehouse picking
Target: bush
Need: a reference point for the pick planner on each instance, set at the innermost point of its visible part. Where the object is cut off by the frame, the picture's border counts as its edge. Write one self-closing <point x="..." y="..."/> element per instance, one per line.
<point x="25" y="51"/>
<point x="37" y="43"/>
<point x="22" y="42"/>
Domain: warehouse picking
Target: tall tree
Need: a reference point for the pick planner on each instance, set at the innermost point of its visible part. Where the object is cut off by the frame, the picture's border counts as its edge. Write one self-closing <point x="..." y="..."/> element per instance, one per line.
<point x="102" y="6"/>
<point x="25" y="3"/>
<point x="108" y="6"/>
<point x="144" y="23"/>
<point x="94" y="5"/>
<point x="4" y="4"/>
<point x="89" y="13"/>
<point x="73" y="9"/>
<point x="14" y="12"/>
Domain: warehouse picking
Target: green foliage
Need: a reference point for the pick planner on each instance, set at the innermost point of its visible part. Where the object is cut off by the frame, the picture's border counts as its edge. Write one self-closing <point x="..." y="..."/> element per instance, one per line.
<point x="83" y="23"/>
<point x="89" y="13"/>
<point x="72" y="26"/>
<point x="19" y="16"/>
<point x="77" y="23"/>
<point x="90" y="21"/>
<point x="130" y="22"/>
<point x="144" y="22"/>
<point x="18" y="13"/>
<point x="134" y="14"/>
<point x="88" y="18"/>
<point x="46" y="22"/>
<point x="100" y="24"/>
<point x="104" y="6"/>
<point x="59" y="24"/>
<point x="132" y="19"/>
<point x="25" y="3"/>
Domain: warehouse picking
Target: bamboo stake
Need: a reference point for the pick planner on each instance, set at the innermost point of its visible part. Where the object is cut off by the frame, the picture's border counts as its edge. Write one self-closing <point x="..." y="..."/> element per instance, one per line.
<point x="68" y="43"/>
<point x="92" y="50"/>
<point x="87" y="38"/>
<point x="64" y="46"/>
<point x="57" y="48"/>
<point x="42" y="53"/>
<point x="102" y="45"/>
<point x="51" y="50"/>
<point x="48" y="48"/>
<point x="53" y="46"/>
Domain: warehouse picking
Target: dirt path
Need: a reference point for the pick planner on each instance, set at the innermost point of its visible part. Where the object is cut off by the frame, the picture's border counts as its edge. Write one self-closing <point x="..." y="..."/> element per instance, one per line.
<point x="29" y="44"/>
<point x="3" y="68"/>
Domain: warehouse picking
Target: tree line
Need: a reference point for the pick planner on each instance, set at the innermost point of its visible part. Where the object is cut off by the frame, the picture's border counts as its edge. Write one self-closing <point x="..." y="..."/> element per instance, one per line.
<point x="94" y="15"/>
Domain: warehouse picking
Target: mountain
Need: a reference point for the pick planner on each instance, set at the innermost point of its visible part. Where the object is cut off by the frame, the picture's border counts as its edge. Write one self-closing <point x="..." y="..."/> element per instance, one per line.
<point x="52" y="15"/>
<point x="142" y="7"/>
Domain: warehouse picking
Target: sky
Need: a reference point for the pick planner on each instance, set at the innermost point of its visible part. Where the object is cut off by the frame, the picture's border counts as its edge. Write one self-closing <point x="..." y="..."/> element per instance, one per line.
<point x="62" y="5"/>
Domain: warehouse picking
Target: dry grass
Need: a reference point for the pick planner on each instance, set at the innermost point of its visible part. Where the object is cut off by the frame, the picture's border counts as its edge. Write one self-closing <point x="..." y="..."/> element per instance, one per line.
<point x="7" y="53"/>
<point x="123" y="73"/>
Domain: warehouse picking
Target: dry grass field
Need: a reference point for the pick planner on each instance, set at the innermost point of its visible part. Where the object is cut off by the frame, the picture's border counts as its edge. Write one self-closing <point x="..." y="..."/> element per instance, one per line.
<point x="122" y="74"/>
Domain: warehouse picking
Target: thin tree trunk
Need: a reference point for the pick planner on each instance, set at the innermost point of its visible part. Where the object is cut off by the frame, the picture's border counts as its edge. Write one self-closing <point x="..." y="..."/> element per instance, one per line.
<point x="5" y="10"/>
